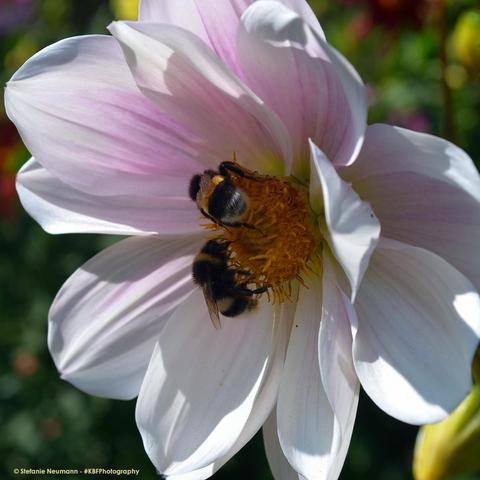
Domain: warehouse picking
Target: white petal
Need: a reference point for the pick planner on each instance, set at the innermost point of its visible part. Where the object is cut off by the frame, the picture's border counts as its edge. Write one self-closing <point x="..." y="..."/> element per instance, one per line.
<point x="425" y="191"/>
<point x="304" y="416"/>
<point x="266" y="398"/>
<point x="418" y="329"/>
<point x="82" y="117"/>
<point x="281" y="469"/>
<point x="357" y="103"/>
<point x="313" y="436"/>
<point x="313" y="90"/>
<point x="60" y="208"/>
<point x="200" y="474"/>
<point x="306" y="12"/>
<point x="350" y="227"/>
<point x="106" y="318"/>
<point x="336" y="364"/>
<point x="186" y="80"/>
<point x="201" y="385"/>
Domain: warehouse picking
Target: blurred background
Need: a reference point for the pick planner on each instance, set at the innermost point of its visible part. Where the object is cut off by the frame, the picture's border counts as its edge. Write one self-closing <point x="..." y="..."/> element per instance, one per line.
<point x="421" y="61"/>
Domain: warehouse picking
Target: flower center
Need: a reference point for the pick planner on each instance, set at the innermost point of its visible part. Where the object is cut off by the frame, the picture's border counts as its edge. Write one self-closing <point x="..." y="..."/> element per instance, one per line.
<point x="277" y="237"/>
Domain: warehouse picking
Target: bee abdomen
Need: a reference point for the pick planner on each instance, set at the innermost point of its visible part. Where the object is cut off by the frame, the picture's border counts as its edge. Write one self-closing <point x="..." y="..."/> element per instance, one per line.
<point x="207" y="267"/>
<point x="238" y="306"/>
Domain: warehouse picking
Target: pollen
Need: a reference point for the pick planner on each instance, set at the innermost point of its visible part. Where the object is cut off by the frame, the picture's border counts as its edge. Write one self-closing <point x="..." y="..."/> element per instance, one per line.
<point x="279" y="238"/>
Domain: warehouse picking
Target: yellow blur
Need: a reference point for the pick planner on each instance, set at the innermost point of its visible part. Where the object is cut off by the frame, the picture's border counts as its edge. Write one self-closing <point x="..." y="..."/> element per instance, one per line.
<point x="124" y="9"/>
<point x="466" y="40"/>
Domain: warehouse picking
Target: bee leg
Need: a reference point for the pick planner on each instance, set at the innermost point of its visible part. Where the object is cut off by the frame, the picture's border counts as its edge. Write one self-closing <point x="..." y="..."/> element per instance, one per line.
<point x="240" y="224"/>
<point x="245" y="273"/>
<point x="252" y="227"/>
<point x="247" y="225"/>
<point x="226" y="167"/>
<point x="249" y="293"/>
<point x="205" y="214"/>
<point x="246" y="292"/>
<point x="257" y="291"/>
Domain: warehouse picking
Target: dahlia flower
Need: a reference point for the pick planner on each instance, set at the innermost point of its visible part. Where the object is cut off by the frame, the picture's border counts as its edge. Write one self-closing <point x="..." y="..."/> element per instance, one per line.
<point x="370" y="269"/>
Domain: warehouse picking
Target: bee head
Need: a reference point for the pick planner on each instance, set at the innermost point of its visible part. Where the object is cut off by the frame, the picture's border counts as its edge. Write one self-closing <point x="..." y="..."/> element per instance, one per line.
<point x="194" y="187"/>
<point x="202" y="183"/>
<point x="215" y="248"/>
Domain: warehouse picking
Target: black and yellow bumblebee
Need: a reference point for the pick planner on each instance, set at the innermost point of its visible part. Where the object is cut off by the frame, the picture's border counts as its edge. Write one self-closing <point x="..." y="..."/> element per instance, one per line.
<point x="225" y="288"/>
<point x="222" y="290"/>
<point x="218" y="198"/>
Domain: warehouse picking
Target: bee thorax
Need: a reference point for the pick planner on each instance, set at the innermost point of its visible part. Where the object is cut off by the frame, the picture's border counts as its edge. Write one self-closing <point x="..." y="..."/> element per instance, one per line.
<point x="227" y="204"/>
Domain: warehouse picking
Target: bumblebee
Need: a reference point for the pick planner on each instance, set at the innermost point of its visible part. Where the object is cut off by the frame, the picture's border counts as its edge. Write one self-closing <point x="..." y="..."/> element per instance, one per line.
<point x="218" y="198"/>
<point x="222" y="291"/>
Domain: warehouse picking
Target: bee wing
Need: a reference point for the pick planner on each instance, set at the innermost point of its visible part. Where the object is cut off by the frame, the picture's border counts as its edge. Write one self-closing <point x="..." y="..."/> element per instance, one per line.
<point x="211" y="305"/>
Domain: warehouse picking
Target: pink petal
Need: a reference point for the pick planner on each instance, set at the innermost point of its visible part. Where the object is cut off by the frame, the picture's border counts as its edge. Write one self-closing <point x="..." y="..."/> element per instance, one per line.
<point x="108" y="315"/>
<point x="186" y="80"/>
<point x="201" y="386"/>
<point x="82" y="117"/>
<point x="349" y="226"/>
<point x="181" y="14"/>
<point x="60" y="208"/>
<point x="425" y="191"/>
<point x="418" y="329"/>
<point x="311" y="87"/>
<point x="221" y="20"/>
<point x="216" y="23"/>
